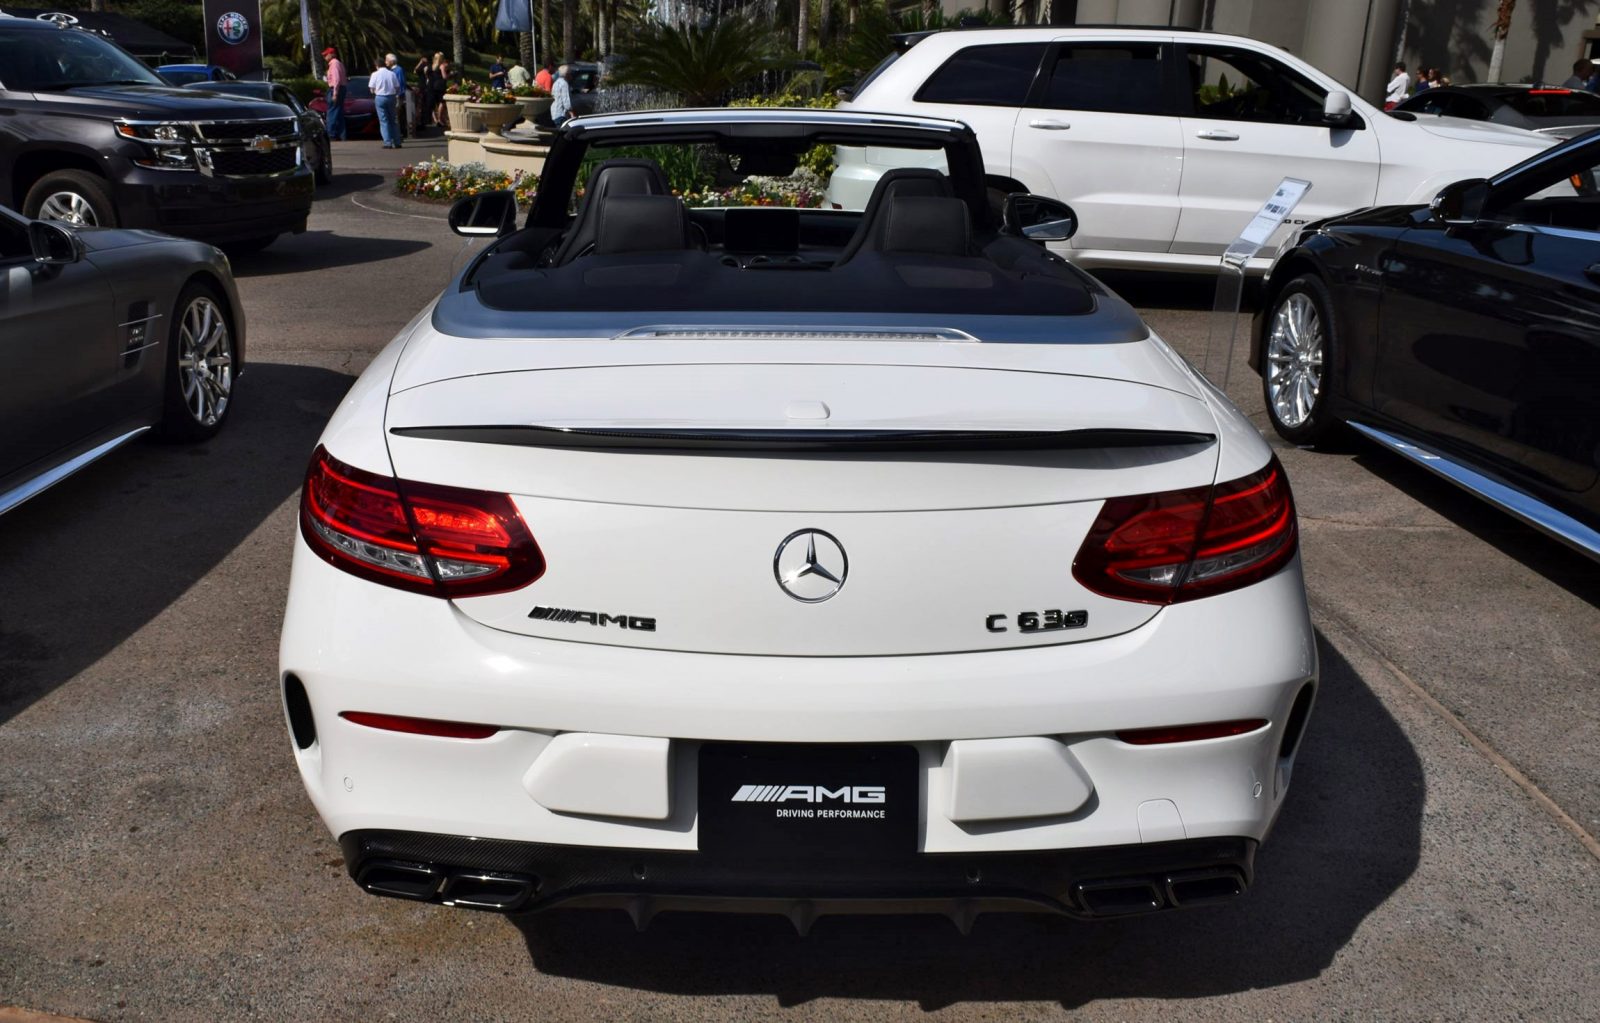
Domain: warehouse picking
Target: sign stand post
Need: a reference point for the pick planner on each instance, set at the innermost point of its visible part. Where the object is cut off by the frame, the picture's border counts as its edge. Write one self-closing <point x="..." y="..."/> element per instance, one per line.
<point x="1230" y="277"/>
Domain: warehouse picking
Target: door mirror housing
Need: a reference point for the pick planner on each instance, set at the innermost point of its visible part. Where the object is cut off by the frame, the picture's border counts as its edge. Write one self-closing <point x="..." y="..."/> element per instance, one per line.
<point x="1460" y="203"/>
<point x="1336" y="108"/>
<point x="52" y="244"/>
<point x="1038" y="218"/>
<point x="488" y="214"/>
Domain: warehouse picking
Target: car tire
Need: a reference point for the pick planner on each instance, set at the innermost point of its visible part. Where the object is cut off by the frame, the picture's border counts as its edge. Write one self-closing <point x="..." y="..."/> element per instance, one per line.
<point x="324" y="169"/>
<point x="71" y="197"/>
<point x="198" y="392"/>
<point x="1298" y="354"/>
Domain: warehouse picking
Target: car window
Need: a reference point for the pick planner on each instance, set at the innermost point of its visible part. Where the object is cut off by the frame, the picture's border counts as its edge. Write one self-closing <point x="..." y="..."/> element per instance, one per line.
<point x="34" y="61"/>
<point x="997" y="76"/>
<point x="1121" y="78"/>
<point x="1560" y="193"/>
<point x="1448" y="104"/>
<point x="288" y="99"/>
<point x="1239" y="85"/>
<point x="1553" y="103"/>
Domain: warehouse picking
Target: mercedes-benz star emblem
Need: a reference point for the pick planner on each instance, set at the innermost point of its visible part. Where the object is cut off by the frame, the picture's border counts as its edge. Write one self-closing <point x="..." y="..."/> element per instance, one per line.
<point x="810" y="565"/>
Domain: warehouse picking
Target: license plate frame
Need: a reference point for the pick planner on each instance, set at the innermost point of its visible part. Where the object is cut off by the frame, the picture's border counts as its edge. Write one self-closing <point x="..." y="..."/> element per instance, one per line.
<point x="798" y="801"/>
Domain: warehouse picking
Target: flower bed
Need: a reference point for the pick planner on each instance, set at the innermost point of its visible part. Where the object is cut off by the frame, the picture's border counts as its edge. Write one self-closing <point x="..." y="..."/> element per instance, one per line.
<point x="441" y="181"/>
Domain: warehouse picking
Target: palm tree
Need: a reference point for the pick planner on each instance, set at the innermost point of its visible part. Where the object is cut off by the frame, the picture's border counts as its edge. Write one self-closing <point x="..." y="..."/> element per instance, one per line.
<point x="363" y="30"/>
<point x="458" y="35"/>
<point x="313" y="10"/>
<point x="803" y="26"/>
<point x="569" y="35"/>
<point x="701" y="66"/>
<point x="1502" y="28"/>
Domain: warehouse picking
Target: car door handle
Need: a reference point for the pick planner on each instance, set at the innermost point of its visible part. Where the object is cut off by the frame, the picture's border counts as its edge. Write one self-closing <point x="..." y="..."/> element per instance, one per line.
<point x="1049" y="124"/>
<point x="1217" y="135"/>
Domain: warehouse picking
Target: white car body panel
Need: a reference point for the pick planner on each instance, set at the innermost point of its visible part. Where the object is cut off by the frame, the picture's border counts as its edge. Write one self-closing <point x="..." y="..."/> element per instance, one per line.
<point x="1133" y="177"/>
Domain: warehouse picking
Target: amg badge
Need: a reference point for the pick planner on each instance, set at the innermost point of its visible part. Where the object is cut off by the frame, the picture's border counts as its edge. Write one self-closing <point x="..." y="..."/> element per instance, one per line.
<point x="565" y="614"/>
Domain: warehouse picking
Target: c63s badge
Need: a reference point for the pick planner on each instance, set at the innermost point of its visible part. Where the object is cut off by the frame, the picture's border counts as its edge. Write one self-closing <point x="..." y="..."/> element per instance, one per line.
<point x="1054" y="620"/>
<point x="599" y="618"/>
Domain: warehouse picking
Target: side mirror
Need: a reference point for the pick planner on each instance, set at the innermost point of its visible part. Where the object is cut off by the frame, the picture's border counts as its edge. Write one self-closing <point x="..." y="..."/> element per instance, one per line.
<point x="1038" y="218"/>
<point x="1460" y="203"/>
<point x="52" y="244"/>
<point x="491" y="213"/>
<point x="1336" y="108"/>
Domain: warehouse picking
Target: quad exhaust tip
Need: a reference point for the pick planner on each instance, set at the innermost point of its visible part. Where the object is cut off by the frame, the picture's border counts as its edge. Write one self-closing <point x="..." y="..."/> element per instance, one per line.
<point x="469" y="889"/>
<point x="1187" y="890"/>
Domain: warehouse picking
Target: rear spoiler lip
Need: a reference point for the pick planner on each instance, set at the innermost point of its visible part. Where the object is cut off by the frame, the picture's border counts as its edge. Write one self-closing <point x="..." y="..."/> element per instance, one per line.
<point x="847" y="441"/>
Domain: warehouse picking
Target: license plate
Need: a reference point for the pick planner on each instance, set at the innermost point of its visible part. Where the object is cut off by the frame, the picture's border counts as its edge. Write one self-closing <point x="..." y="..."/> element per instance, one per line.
<point x="789" y="801"/>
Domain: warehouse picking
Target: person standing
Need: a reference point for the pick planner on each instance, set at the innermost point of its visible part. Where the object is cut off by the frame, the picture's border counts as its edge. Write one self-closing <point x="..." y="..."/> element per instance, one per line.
<point x="337" y="81"/>
<point x="546" y="77"/>
<point x="497" y="73"/>
<point x="1399" y="85"/>
<point x="1582" y="71"/>
<point x="444" y="75"/>
<point x="385" y="88"/>
<point x="518" y="77"/>
<point x="402" y="96"/>
<point x="561" y="104"/>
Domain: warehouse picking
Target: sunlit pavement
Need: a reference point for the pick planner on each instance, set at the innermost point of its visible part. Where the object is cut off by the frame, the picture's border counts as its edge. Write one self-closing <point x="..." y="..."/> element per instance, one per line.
<point x="159" y="859"/>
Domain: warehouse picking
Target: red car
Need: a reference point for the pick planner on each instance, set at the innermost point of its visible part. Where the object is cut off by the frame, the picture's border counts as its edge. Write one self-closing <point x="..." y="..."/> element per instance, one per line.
<point x="360" y="115"/>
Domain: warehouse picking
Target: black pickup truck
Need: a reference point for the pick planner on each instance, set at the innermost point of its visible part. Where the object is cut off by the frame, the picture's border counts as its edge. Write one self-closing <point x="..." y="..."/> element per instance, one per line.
<point x="90" y="136"/>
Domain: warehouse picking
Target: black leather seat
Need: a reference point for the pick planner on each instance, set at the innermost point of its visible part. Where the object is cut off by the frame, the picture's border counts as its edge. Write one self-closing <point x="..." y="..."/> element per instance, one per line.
<point x="641" y="223"/>
<point x="620" y="177"/>
<point x="897" y="183"/>
<point x="927" y="225"/>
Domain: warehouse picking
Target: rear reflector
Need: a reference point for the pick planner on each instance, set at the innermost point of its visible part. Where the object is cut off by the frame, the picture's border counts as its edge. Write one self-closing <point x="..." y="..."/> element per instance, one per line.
<point x="1189" y="733"/>
<point x="420" y="726"/>
<point x="442" y="541"/>
<point x="1184" y="544"/>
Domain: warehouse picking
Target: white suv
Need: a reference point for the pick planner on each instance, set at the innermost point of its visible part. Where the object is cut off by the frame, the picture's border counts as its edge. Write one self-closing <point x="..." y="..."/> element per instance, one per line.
<point x="1166" y="142"/>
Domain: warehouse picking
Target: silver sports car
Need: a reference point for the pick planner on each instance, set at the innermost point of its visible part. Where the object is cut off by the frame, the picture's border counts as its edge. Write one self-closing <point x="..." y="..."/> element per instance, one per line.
<point x="105" y="334"/>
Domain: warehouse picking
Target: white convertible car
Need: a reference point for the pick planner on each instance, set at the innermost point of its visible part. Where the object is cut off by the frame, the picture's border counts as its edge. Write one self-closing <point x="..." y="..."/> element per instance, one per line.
<point x="791" y="559"/>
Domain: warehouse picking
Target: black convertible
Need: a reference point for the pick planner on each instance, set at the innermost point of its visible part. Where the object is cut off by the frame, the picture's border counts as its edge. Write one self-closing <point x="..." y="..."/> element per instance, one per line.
<point x="1464" y="335"/>
<point x="105" y="334"/>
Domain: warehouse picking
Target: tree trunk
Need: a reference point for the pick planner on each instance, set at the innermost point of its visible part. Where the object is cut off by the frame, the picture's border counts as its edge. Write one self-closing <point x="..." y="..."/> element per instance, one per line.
<point x="569" y="33"/>
<point x="825" y="24"/>
<point x="928" y="7"/>
<point x="1502" y="28"/>
<point x="802" y="33"/>
<point x="314" y="32"/>
<point x="547" y="49"/>
<point x="97" y="5"/>
<point x="600" y="27"/>
<point x="525" y="50"/>
<point x="458" y="36"/>
<point x="1019" y="12"/>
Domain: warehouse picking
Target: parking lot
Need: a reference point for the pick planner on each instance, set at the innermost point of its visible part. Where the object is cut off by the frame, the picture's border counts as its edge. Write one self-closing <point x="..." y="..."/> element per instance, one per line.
<point x="1436" y="859"/>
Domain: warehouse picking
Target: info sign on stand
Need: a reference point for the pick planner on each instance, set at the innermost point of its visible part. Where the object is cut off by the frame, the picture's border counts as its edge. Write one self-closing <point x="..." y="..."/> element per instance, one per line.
<point x="1230" y="277"/>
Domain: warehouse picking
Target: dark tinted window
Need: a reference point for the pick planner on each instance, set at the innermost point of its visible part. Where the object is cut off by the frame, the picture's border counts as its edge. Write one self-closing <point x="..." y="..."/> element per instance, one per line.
<point x="1240" y="85"/>
<point x="996" y="76"/>
<point x="35" y="61"/>
<point x="1119" y="78"/>
<point x="1449" y="104"/>
<point x="1553" y="103"/>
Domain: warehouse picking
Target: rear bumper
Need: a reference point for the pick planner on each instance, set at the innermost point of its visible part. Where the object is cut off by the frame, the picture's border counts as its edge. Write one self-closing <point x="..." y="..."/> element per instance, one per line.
<point x="516" y="876"/>
<point x="214" y="209"/>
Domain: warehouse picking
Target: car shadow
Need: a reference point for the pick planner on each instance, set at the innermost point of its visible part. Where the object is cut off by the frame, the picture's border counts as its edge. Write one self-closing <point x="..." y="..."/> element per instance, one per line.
<point x="345" y="183"/>
<point x="321" y="250"/>
<point x="1549" y="557"/>
<point x="1146" y="289"/>
<point x="1348" y="837"/>
<point x="107" y="550"/>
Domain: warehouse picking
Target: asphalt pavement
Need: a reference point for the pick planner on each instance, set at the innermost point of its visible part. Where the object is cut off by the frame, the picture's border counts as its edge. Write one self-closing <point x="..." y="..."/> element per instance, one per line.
<point x="159" y="859"/>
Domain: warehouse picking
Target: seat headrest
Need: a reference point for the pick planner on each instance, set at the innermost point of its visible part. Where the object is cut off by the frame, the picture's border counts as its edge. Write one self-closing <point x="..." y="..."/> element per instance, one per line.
<point x="641" y="223"/>
<point x="626" y="176"/>
<point x="930" y="225"/>
<point x="909" y="181"/>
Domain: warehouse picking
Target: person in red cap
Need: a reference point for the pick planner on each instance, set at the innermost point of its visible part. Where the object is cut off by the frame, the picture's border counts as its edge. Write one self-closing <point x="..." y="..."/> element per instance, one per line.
<point x="337" y="80"/>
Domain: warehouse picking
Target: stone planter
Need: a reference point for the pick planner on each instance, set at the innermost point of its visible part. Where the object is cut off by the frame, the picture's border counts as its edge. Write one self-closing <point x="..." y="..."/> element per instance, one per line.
<point x="534" y="107"/>
<point x="494" y="117"/>
<point x="455" y="111"/>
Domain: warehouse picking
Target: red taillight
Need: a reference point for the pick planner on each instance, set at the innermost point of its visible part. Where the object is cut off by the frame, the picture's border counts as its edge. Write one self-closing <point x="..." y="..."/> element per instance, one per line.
<point x="1184" y="544"/>
<point x="1189" y="733"/>
<point x="442" y="541"/>
<point x="420" y="726"/>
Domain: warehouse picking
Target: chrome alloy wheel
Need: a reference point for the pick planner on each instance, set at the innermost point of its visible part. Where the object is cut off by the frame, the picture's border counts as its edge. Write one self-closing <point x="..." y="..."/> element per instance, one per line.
<point x="205" y="361"/>
<point x="69" y="208"/>
<point x="1295" y="347"/>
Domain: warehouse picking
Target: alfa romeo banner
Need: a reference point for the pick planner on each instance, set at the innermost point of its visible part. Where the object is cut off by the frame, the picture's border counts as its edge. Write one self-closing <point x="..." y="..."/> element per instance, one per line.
<point x="233" y="36"/>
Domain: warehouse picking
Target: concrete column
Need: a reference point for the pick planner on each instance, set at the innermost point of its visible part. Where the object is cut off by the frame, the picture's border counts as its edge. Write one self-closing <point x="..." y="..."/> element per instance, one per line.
<point x="1188" y="13"/>
<point x="1144" y="12"/>
<point x="1097" y="12"/>
<point x="1383" y="30"/>
<point x="1333" y="37"/>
